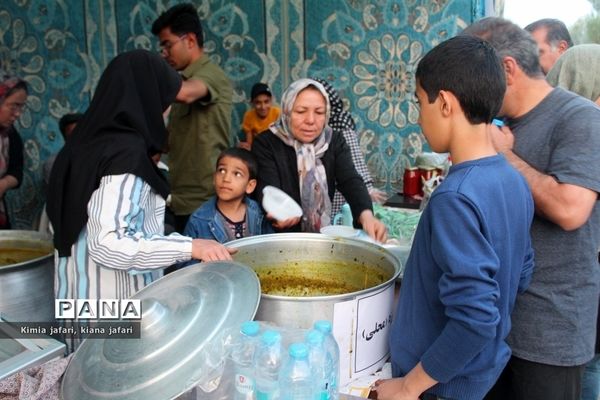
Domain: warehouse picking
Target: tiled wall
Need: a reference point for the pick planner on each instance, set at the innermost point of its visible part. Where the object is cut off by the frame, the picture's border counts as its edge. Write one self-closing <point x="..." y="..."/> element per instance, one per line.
<point x="369" y="49"/>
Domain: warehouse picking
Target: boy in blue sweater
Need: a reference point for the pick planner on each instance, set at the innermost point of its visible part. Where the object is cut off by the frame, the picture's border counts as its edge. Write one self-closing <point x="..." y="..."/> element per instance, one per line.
<point x="472" y="250"/>
<point x="231" y="214"/>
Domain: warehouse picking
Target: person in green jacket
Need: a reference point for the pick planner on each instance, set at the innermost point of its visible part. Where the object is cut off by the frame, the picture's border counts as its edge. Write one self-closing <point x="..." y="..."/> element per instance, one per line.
<point x="200" y="120"/>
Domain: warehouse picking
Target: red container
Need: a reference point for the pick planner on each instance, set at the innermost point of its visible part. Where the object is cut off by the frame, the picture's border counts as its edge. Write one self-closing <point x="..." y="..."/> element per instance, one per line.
<point x="412" y="182"/>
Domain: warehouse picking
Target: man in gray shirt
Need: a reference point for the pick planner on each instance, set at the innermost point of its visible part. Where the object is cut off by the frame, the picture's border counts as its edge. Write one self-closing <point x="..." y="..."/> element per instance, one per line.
<point x="552" y="38"/>
<point x="552" y="138"/>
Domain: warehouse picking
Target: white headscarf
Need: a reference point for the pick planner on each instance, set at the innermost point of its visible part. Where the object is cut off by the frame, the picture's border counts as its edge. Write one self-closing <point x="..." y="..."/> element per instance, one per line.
<point x="314" y="194"/>
<point x="578" y="70"/>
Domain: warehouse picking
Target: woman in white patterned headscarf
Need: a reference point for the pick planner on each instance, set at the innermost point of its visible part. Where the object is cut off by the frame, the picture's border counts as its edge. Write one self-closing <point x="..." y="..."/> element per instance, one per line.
<point x="341" y="121"/>
<point x="13" y="94"/>
<point x="301" y="155"/>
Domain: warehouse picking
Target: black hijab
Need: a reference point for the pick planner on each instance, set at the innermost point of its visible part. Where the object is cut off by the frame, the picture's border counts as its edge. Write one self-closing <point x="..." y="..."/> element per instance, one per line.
<point x="119" y="132"/>
<point x="339" y="120"/>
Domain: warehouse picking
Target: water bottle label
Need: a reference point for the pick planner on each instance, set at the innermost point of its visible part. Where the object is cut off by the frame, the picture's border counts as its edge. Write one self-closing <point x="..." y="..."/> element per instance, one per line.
<point x="244" y="384"/>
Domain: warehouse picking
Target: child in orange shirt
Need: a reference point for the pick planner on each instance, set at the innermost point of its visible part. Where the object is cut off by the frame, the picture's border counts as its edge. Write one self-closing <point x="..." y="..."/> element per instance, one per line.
<point x="261" y="115"/>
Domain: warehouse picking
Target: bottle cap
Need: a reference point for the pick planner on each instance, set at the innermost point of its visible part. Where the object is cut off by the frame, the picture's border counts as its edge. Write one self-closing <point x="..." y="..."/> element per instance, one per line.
<point x="298" y="350"/>
<point x="250" y="328"/>
<point x="270" y="337"/>
<point x="314" y="337"/>
<point x="323" y="326"/>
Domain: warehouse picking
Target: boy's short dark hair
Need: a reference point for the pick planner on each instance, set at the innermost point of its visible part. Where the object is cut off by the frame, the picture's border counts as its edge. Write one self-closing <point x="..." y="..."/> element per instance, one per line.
<point x="470" y="68"/>
<point x="67" y="120"/>
<point x="258" y="89"/>
<point x="181" y="19"/>
<point x="241" y="154"/>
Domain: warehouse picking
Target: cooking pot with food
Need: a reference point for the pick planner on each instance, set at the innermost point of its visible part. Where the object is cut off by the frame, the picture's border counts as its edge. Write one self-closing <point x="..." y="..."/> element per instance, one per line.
<point x="26" y="276"/>
<point x="306" y="277"/>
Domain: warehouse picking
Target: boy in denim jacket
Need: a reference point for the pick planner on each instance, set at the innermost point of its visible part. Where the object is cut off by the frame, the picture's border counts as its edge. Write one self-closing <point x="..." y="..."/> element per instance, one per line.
<point x="231" y="214"/>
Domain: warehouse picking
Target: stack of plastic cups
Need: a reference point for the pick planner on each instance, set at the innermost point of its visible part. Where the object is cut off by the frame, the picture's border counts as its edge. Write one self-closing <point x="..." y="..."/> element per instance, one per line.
<point x="267" y="361"/>
<point x="317" y="354"/>
<point x="296" y="378"/>
<point x="332" y="361"/>
<point x="243" y="358"/>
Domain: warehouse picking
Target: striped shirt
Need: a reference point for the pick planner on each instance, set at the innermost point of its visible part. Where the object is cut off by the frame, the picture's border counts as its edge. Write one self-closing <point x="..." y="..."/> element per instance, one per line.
<point x="122" y="248"/>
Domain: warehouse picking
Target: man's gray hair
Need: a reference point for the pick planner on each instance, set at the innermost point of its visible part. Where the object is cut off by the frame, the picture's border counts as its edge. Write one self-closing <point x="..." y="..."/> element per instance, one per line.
<point x="509" y="40"/>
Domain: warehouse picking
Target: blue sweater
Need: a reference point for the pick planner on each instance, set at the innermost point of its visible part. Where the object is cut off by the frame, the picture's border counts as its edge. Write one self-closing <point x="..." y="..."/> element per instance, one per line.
<point x="471" y="253"/>
<point x="204" y="223"/>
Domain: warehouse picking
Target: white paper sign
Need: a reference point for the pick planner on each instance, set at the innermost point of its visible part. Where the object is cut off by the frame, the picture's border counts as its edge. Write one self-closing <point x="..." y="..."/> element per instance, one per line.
<point x="361" y="327"/>
<point x="372" y="331"/>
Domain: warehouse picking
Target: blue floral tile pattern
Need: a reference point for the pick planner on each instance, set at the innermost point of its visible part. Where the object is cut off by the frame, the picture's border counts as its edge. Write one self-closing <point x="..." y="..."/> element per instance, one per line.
<point x="369" y="49"/>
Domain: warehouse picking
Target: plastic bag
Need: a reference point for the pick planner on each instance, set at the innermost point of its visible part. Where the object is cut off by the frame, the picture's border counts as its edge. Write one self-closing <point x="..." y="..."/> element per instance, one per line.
<point x="217" y="379"/>
<point x="428" y="187"/>
<point x="401" y="223"/>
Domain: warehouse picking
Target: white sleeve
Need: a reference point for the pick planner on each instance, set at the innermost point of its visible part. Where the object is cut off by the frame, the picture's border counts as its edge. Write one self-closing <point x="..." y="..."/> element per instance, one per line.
<point x="125" y="229"/>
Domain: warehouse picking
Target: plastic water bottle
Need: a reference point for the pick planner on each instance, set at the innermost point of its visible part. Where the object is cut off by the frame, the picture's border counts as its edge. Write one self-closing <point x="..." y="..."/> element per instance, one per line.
<point x="295" y="378"/>
<point x="267" y="362"/>
<point x="332" y="362"/>
<point x="317" y="355"/>
<point x="243" y="358"/>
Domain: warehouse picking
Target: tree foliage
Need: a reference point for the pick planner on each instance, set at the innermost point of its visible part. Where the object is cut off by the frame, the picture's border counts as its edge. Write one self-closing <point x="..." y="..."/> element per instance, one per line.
<point x="587" y="28"/>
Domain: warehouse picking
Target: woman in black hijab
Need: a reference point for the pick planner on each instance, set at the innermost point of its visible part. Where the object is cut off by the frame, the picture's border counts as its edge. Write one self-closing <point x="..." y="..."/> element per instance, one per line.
<point x="107" y="198"/>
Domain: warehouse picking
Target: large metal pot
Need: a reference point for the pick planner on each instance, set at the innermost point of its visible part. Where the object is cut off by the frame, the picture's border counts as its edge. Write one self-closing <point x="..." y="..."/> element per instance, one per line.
<point x="361" y="318"/>
<point x="291" y="249"/>
<point x="27" y="288"/>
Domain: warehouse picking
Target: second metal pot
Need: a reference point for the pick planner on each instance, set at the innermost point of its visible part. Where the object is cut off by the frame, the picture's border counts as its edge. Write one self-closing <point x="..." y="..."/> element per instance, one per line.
<point x="292" y="249"/>
<point x="27" y="288"/>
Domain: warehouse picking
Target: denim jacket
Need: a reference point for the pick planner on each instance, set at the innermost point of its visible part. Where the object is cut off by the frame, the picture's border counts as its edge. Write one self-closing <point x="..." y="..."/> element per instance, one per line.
<point x="205" y="224"/>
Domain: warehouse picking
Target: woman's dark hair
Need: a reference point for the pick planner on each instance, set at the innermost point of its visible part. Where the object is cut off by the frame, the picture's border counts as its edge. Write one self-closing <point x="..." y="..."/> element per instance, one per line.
<point x="21" y="85"/>
<point x="244" y="155"/>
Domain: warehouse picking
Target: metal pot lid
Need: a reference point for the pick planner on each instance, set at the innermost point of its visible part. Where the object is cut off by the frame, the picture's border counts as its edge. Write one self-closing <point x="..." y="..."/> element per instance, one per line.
<point x="182" y="314"/>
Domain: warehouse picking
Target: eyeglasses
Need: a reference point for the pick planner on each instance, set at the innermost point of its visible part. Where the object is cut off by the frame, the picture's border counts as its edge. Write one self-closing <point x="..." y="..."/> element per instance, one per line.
<point x="166" y="45"/>
<point x="15" y="107"/>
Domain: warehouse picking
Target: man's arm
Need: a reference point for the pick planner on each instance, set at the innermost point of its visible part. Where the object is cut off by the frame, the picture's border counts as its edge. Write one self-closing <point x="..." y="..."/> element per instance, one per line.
<point x="568" y="206"/>
<point x="192" y="90"/>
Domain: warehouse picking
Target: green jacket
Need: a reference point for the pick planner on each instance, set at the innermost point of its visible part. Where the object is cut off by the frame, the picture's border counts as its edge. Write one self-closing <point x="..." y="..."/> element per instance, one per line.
<point x="198" y="132"/>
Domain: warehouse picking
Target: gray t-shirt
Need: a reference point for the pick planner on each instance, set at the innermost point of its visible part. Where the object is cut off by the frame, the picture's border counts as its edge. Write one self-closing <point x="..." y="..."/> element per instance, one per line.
<point x="554" y="322"/>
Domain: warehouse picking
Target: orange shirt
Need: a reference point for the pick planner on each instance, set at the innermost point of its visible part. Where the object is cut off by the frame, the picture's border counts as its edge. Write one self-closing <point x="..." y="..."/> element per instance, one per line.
<point x="252" y="125"/>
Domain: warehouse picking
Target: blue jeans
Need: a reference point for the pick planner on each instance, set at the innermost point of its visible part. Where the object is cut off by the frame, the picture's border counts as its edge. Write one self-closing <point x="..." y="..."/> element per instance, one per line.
<point x="591" y="380"/>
